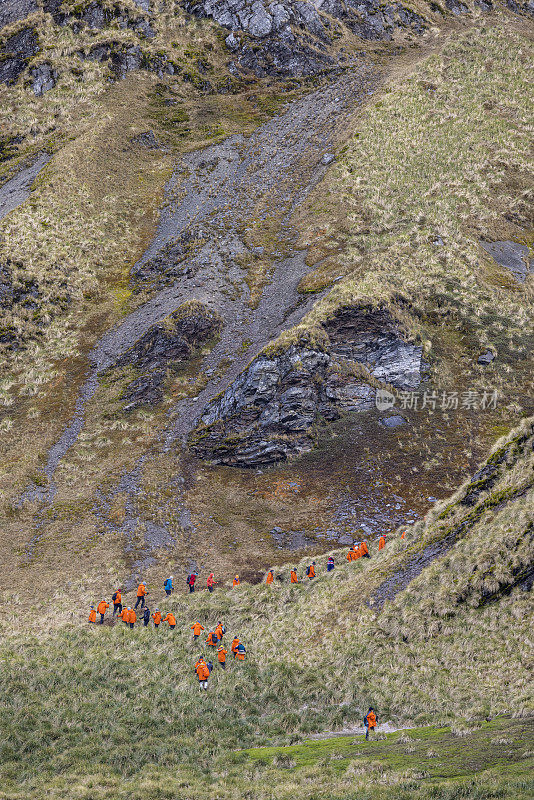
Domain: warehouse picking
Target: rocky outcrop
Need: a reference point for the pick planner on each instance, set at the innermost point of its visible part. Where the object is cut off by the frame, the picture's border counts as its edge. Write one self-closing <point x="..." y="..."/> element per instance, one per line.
<point x="294" y="35"/>
<point x="168" y="344"/>
<point x="43" y="78"/>
<point x="15" y="53"/>
<point x="13" y="10"/>
<point x="269" y="412"/>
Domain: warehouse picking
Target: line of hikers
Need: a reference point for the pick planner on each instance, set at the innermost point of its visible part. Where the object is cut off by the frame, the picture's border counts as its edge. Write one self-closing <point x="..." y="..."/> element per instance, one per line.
<point x="129" y="616"/>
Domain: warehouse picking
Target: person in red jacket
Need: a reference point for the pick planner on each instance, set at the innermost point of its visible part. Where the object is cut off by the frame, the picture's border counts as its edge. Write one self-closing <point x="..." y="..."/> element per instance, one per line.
<point x="191" y="578"/>
<point x="210" y="581"/>
<point x="102" y="607"/>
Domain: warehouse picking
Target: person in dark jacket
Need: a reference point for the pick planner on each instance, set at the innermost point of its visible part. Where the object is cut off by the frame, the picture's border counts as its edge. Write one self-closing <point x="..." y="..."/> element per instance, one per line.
<point x="146" y="616"/>
<point x="330" y="564"/>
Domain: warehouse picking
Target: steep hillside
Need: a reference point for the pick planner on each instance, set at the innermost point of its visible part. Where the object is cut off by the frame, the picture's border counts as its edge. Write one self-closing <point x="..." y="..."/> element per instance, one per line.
<point x="219" y="268"/>
<point x="434" y="629"/>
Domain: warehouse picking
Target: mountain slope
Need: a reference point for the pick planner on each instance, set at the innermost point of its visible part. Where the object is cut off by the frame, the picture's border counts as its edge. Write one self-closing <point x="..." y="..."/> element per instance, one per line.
<point x="452" y="646"/>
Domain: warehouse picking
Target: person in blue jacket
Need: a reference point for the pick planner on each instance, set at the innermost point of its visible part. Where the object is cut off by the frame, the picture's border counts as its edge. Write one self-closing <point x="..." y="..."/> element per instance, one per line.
<point x="168" y="586"/>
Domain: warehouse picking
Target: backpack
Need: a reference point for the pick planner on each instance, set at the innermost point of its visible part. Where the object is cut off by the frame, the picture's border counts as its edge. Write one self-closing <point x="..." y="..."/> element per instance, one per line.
<point x="241" y="648"/>
<point x="188" y="580"/>
<point x="114" y="597"/>
<point x="307" y="570"/>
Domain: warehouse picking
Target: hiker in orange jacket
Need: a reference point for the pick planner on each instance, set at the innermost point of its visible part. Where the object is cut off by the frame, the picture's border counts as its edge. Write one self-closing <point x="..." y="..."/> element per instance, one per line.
<point x="92" y="615"/>
<point x="370" y="721"/>
<point x="382" y="542"/>
<point x="212" y="639"/>
<point x="403" y="534"/>
<point x="156" y="616"/>
<point x="364" y="550"/>
<point x="117" y="602"/>
<point x="124" y="614"/>
<point x="197" y="629"/>
<point x="220" y="630"/>
<point x="310" y="571"/>
<point x="270" y="577"/>
<point x="203" y="673"/>
<point x="171" y="619"/>
<point x="235" y="643"/>
<point x="210" y="581"/>
<point x="221" y="656"/>
<point x="102" y="607"/>
<point x="294" y="576"/>
<point x="236" y="581"/>
<point x="356" y="551"/>
<point x="141" y="592"/>
<point x="132" y="617"/>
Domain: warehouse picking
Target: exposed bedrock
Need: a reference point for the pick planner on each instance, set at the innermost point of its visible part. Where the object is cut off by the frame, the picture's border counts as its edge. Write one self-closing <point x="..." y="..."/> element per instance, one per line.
<point x="295" y="35"/>
<point x="169" y="343"/>
<point x="269" y="412"/>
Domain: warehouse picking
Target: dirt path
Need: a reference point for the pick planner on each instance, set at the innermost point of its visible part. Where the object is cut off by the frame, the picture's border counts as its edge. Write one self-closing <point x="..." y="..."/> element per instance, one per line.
<point x="387" y="727"/>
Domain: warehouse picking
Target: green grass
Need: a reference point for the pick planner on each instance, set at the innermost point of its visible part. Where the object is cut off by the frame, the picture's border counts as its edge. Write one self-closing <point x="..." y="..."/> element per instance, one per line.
<point x="114" y="712"/>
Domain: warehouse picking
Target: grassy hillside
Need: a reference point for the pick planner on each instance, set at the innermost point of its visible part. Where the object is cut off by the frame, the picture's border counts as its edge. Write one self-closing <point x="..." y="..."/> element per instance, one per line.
<point x="106" y="712"/>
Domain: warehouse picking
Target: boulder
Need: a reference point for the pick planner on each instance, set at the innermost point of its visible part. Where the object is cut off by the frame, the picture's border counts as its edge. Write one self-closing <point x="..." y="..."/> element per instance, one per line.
<point x="43" y="78"/>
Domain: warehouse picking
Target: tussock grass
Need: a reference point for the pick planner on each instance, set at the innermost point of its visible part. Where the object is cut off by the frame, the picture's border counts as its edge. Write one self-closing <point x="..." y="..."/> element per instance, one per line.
<point x="437" y="163"/>
<point x="78" y="699"/>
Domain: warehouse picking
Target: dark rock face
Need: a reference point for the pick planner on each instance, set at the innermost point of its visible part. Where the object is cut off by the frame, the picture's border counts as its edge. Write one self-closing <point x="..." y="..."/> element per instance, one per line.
<point x="43" y="78"/>
<point x="15" y="52"/>
<point x="269" y="411"/>
<point x="371" y="337"/>
<point x="293" y="35"/>
<point x="12" y="10"/>
<point x="169" y="343"/>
